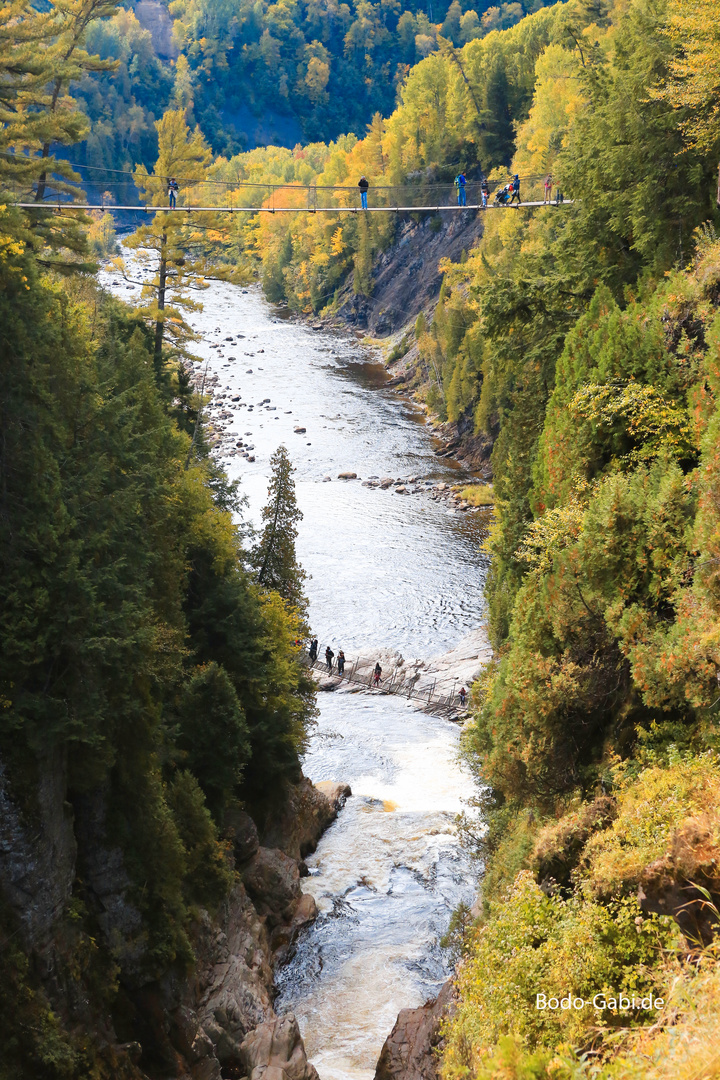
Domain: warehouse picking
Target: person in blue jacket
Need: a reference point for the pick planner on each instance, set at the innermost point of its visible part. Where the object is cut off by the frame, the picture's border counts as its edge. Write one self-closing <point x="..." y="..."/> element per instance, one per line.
<point x="460" y="183"/>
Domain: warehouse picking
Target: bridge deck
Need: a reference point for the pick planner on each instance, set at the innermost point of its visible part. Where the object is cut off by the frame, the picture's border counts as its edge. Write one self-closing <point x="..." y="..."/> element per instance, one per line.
<point x="58" y="206"/>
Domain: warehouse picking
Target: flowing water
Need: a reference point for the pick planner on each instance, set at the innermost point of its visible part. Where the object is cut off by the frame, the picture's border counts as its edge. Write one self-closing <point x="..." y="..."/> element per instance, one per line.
<point x="387" y="571"/>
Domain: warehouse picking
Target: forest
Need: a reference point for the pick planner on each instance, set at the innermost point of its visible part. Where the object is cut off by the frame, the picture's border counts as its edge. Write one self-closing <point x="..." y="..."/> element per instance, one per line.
<point x="584" y="345"/>
<point x="292" y="72"/>
<point x="144" y="668"/>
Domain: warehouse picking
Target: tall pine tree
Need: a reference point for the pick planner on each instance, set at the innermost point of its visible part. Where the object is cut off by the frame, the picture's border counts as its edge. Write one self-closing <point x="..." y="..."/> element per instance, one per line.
<point x="275" y="556"/>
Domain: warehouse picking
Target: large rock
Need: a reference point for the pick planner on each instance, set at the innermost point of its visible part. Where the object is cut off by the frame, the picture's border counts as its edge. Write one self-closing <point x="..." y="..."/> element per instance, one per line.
<point x="410" y="1050"/>
<point x="275" y="1051"/>
<point x="297" y="821"/>
<point x="336" y="794"/>
<point x="242" y="833"/>
<point x="272" y="880"/>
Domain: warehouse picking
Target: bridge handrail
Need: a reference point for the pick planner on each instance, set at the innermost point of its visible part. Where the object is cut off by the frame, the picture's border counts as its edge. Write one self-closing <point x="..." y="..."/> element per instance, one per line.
<point x="392" y="685"/>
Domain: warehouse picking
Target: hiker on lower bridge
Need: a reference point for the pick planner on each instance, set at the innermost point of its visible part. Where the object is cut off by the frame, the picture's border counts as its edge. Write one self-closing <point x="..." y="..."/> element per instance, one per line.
<point x="463" y="696"/>
<point x="363" y="185"/>
<point x="341" y="662"/>
<point x="376" y="674"/>
<point x="313" y="650"/>
<point x="515" y="188"/>
<point x="329" y="656"/>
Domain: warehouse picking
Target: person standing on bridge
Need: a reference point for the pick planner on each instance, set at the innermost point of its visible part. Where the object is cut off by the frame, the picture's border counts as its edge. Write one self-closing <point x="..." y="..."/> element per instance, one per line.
<point x="341" y="662"/>
<point x="329" y="655"/>
<point x="313" y="650"/>
<point x="484" y="192"/>
<point x="376" y="674"/>
<point x="460" y="183"/>
<point x="172" y="191"/>
<point x="463" y="696"/>
<point x="363" y="185"/>
<point x="515" y="188"/>
<point x="548" y="188"/>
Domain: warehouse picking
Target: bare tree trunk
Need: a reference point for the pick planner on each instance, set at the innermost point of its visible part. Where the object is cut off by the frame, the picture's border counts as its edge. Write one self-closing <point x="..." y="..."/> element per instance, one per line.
<point x="42" y="179"/>
<point x="160" y="322"/>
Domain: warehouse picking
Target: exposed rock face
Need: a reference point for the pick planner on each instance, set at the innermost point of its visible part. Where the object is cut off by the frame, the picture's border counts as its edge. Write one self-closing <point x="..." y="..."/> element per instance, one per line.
<point x="296" y="825"/>
<point x="272" y="879"/>
<point x="242" y="832"/>
<point x="230" y="990"/>
<point x="275" y="1051"/>
<point x="37" y="862"/>
<point x="410" y="1049"/>
<point x="406" y="278"/>
<point x="187" y="1025"/>
<point x="154" y="17"/>
<point x="106" y="885"/>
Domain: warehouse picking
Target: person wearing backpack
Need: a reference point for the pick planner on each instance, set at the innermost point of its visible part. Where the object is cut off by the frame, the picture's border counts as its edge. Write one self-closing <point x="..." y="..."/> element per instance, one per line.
<point x="460" y="183"/>
<point x="363" y="185"/>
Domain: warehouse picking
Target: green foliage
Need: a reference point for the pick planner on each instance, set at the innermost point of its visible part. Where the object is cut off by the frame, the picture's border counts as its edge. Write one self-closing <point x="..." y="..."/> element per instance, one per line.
<point x="208" y="874"/>
<point x="538" y="944"/>
<point x="328" y="70"/>
<point x="213" y="735"/>
<point x="133" y="641"/>
<point x="274" y="556"/>
<point x="122" y="106"/>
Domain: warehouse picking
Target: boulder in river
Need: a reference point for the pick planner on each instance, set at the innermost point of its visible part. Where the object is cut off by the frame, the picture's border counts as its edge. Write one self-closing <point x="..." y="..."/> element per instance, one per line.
<point x="299" y="430"/>
<point x="347" y="476"/>
<point x="386" y="482"/>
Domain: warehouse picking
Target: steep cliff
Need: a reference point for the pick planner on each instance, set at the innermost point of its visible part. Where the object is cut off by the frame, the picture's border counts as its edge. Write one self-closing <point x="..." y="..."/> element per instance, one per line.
<point x="80" y="988"/>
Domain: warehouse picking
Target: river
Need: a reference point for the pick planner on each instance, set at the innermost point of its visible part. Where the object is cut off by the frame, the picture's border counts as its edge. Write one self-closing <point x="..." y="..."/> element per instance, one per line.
<point x="386" y="570"/>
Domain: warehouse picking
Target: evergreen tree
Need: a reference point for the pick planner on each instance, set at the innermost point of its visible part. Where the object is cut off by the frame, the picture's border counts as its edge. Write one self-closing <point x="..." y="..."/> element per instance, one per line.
<point x="69" y="62"/>
<point x="163" y="244"/>
<point x="275" y="557"/>
<point x="35" y="64"/>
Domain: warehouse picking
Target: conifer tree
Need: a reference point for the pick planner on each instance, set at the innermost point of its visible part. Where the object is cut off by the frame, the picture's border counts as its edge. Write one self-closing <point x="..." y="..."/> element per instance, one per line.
<point x="69" y="61"/>
<point x="275" y="556"/>
<point x="183" y="251"/>
<point x="36" y="62"/>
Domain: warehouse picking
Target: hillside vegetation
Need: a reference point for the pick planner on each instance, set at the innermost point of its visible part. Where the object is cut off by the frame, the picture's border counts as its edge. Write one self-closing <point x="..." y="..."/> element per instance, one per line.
<point x="149" y="683"/>
<point x="293" y="71"/>
<point x="587" y="344"/>
<point x="583" y="341"/>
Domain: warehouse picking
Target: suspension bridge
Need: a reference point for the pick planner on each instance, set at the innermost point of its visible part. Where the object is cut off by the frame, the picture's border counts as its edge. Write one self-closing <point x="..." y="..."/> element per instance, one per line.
<point x="60" y="207"/>
<point x="212" y="195"/>
<point x="431" y="698"/>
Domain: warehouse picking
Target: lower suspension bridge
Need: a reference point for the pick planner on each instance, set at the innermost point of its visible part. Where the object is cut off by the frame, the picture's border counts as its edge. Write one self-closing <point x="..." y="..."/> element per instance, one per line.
<point x="433" y="697"/>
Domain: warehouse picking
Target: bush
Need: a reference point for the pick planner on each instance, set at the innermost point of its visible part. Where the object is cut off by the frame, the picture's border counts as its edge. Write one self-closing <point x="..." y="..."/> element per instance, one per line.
<point x="209" y="874"/>
<point x="213" y="735"/>
<point x="537" y="944"/>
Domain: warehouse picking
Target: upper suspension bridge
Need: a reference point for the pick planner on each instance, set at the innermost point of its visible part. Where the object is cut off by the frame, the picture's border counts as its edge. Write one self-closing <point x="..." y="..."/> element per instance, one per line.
<point x="209" y="195"/>
<point x="57" y="207"/>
